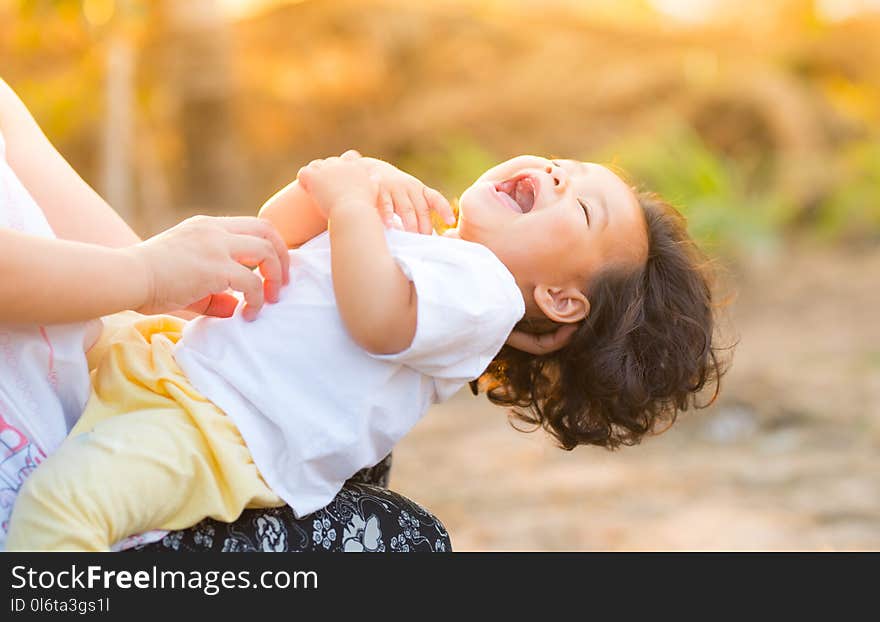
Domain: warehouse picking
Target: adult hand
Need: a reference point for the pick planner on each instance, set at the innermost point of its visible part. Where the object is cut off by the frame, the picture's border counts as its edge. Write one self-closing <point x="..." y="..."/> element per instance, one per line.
<point x="194" y="264"/>
<point x="402" y="194"/>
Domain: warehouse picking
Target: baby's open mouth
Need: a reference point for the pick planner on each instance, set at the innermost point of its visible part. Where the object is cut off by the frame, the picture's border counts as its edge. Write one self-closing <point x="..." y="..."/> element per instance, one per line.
<point x="517" y="193"/>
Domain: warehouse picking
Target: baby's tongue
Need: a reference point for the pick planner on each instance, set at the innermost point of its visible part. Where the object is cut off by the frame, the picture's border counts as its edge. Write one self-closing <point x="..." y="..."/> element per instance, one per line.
<point x="511" y="203"/>
<point x="506" y="191"/>
<point x="524" y="194"/>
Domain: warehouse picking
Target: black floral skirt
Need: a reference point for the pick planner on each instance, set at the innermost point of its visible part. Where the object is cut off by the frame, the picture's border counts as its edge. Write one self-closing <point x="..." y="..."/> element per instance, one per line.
<point x="364" y="517"/>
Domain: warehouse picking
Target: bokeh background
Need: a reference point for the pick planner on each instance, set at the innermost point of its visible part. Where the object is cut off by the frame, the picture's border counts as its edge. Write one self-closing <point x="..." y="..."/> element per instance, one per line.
<point x="761" y="120"/>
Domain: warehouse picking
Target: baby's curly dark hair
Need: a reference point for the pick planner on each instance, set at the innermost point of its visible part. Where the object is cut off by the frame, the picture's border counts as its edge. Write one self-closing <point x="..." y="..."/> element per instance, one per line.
<point x="640" y="357"/>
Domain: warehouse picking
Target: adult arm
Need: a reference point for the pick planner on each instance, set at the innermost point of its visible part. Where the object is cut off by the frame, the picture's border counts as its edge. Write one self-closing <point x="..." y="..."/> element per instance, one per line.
<point x="75" y="277"/>
<point x="46" y="281"/>
<point x="189" y="266"/>
<point x="74" y="210"/>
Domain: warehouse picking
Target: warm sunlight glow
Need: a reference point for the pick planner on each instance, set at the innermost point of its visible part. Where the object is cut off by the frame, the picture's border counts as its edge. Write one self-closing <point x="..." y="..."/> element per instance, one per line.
<point x="839" y="10"/>
<point x="689" y="11"/>
<point x="758" y="121"/>
<point x="98" y="12"/>
<point x="243" y="8"/>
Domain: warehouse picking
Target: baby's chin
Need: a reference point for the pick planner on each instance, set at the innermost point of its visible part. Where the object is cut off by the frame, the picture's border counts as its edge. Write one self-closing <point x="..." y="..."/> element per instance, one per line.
<point x="479" y="202"/>
<point x="466" y="200"/>
<point x="469" y="217"/>
<point x="480" y="213"/>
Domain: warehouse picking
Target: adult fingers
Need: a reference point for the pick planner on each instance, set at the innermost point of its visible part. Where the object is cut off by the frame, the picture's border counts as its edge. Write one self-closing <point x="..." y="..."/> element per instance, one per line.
<point x="215" y="305"/>
<point x="542" y="344"/>
<point x="260" y="228"/>
<point x="404" y="208"/>
<point x="251" y="251"/>
<point x="439" y="204"/>
<point x="251" y="285"/>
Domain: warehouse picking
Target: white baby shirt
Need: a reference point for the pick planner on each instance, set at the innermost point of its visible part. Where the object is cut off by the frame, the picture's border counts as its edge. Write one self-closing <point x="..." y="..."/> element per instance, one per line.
<point x="312" y="406"/>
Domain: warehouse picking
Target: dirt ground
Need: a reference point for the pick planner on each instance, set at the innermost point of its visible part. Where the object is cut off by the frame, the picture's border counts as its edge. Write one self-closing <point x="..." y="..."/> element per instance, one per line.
<point x="788" y="459"/>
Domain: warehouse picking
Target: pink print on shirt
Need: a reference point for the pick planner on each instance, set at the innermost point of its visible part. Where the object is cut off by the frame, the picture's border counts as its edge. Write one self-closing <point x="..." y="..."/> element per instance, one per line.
<point x="18" y="458"/>
<point x="51" y="375"/>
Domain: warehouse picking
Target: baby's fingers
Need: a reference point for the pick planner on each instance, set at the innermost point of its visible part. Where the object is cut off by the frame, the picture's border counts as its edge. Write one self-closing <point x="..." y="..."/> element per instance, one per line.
<point x="422" y="210"/>
<point x="385" y="205"/>
<point x="439" y="204"/>
<point x="306" y="174"/>
<point x="404" y="208"/>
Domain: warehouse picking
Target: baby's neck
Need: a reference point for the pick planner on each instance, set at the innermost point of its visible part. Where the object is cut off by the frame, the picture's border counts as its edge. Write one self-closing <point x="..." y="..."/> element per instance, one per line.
<point x="534" y="321"/>
<point x="538" y="325"/>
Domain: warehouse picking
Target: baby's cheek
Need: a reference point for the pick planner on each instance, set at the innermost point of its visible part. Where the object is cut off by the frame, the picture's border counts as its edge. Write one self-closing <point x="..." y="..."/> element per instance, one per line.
<point x="563" y="228"/>
<point x="567" y="233"/>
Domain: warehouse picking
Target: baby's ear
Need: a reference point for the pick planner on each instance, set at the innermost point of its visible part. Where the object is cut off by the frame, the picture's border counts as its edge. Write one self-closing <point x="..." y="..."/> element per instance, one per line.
<point x="562" y="304"/>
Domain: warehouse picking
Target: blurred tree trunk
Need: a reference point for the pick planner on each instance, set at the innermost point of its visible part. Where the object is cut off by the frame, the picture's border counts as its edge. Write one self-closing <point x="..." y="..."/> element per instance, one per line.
<point x="116" y="151"/>
<point x="196" y="44"/>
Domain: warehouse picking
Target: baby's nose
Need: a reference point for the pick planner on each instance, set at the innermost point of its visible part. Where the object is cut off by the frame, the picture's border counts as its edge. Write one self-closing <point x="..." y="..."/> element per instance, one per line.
<point x="558" y="174"/>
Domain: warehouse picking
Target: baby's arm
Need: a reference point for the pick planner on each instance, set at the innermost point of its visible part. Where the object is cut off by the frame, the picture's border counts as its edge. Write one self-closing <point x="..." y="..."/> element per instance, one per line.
<point x="376" y="301"/>
<point x="298" y="219"/>
<point x="294" y="214"/>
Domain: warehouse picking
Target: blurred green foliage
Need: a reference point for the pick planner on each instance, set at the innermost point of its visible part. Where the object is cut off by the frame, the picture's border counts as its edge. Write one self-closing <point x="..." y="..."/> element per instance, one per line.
<point x="450" y="166"/>
<point x="725" y="212"/>
<point x="852" y="209"/>
<point x="728" y="211"/>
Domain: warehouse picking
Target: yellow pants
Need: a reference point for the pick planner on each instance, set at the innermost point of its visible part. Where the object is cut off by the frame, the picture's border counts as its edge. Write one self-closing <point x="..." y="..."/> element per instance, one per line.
<point x="149" y="452"/>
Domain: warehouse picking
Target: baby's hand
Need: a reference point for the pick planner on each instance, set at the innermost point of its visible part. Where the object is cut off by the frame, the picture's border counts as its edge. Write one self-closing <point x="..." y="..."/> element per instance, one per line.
<point x="336" y="181"/>
<point x="350" y="178"/>
<point x="402" y="194"/>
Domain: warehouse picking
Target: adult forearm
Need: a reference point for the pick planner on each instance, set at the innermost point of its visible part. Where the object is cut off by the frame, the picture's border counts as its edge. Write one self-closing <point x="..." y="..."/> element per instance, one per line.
<point x="74" y="210"/>
<point x="47" y="281"/>
<point x="375" y="299"/>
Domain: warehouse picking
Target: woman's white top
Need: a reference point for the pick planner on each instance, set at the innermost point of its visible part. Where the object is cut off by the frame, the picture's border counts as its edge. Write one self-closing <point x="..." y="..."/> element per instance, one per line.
<point x="313" y="406"/>
<point x="44" y="377"/>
